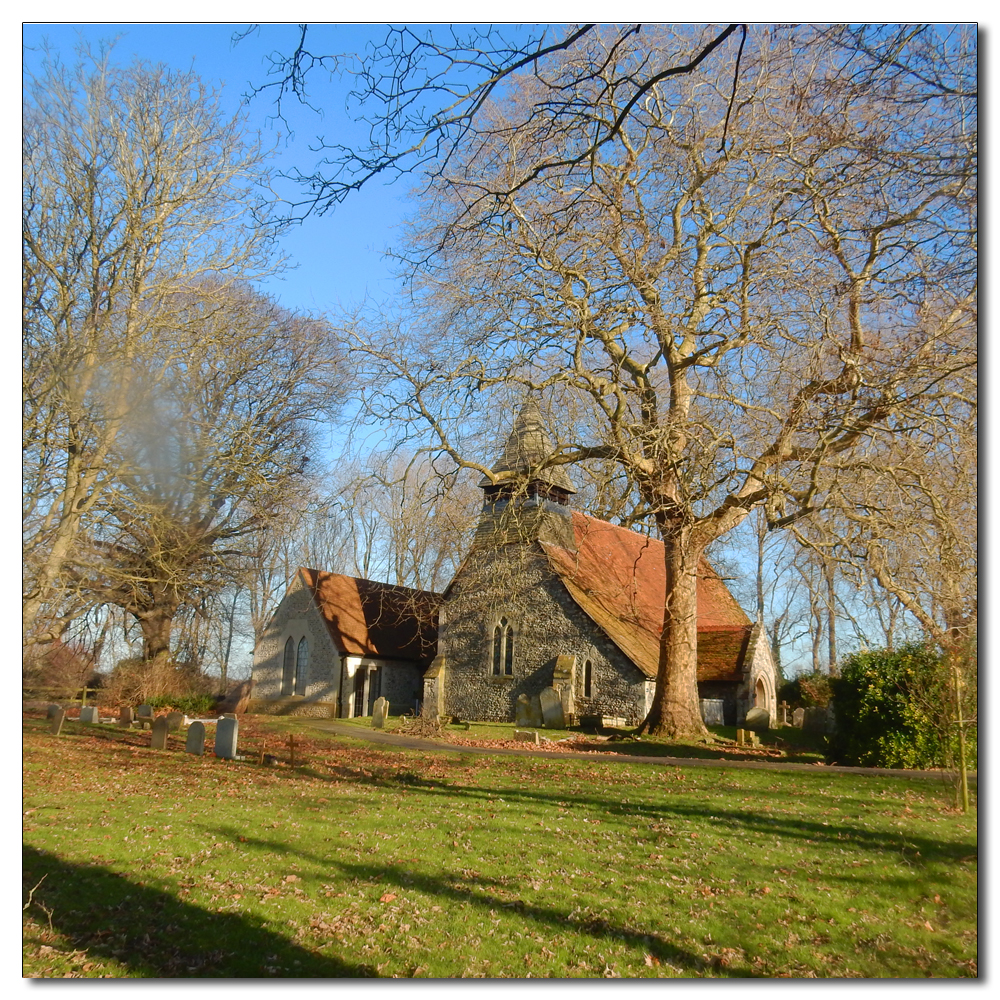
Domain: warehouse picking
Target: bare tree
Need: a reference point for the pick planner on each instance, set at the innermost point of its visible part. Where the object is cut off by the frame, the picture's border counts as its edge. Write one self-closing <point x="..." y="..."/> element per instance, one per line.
<point x="736" y="321"/>
<point x="423" y="94"/>
<point x="219" y="431"/>
<point x="135" y="186"/>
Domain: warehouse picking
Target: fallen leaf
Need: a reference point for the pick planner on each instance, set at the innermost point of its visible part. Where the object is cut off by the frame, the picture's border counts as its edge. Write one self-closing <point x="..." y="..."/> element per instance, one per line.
<point x="387" y="898"/>
<point x="927" y="924"/>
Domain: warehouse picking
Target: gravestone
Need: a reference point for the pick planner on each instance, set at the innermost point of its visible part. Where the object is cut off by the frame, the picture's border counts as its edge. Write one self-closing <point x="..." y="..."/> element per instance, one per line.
<point x="784" y="713"/>
<point x="798" y="717"/>
<point x="144" y="716"/>
<point x="195" y="738"/>
<point x="50" y="712"/>
<point x="531" y="711"/>
<point x="160" y="730"/>
<point x="711" y="711"/>
<point x="521" y="711"/>
<point x="757" y="720"/>
<point x="174" y="721"/>
<point x="89" y="714"/>
<point x="816" y="720"/>
<point x="552" y="710"/>
<point x="522" y="736"/>
<point x="741" y="737"/>
<point x="379" y="712"/>
<point x="226" y="733"/>
<point x="125" y="717"/>
<point x="57" y="720"/>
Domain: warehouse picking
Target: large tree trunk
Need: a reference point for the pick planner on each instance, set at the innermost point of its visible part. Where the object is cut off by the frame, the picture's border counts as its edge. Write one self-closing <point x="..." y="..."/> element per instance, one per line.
<point x="675" y="710"/>
<point x="156" y="626"/>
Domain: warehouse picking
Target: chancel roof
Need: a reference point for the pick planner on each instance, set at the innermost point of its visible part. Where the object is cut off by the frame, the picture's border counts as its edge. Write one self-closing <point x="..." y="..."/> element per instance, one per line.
<point x="365" y="618"/>
<point x="618" y="578"/>
<point x="527" y="448"/>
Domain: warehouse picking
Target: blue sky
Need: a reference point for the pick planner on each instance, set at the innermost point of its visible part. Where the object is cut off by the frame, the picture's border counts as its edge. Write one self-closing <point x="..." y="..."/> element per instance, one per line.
<point x="337" y="258"/>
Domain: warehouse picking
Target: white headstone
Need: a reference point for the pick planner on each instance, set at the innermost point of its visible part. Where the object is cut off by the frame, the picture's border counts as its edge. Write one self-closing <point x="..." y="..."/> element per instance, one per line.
<point x="195" y="738"/>
<point x="552" y="712"/>
<point x="226" y="733"/>
<point x="380" y="711"/>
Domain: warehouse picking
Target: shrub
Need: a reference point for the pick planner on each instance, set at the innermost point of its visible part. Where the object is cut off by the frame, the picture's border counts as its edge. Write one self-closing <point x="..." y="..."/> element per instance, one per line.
<point x="192" y="704"/>
<point x="897" y="709"/>
<point x="136" y="681"/>
<point x="807" y="691"/>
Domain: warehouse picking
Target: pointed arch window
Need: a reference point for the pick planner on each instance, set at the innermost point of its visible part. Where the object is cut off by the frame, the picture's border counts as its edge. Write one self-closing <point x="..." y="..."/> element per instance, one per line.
<point x="288" y="668"/>
<point x="503" y="648"/>
<point x="302" y="666"/>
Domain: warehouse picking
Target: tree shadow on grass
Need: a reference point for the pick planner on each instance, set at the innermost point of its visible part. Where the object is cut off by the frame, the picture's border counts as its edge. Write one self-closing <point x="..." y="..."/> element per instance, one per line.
<point x="155" y="935"/>
<point x="457" y="888"/>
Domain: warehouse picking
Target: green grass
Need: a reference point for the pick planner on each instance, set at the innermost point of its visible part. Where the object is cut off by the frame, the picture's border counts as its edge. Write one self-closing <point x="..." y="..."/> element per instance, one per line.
<point x="375" y="861"/>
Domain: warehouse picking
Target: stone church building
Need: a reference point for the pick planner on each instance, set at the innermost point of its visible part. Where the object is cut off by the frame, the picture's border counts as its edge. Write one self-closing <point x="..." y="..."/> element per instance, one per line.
<point x="546" y="597"/>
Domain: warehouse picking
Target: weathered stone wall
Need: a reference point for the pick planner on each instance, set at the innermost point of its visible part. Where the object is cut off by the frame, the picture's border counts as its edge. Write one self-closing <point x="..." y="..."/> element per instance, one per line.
<point x="400" y="682"/>
<point x="515" y="581"/>
<point x="295" y="618"/>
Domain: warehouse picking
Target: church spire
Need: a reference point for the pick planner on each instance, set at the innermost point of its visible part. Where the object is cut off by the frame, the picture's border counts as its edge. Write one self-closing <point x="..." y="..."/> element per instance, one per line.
<point x="523" y="456"/>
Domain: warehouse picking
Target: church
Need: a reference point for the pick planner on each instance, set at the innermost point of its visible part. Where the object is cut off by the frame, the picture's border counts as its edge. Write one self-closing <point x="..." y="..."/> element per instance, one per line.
<point x="546" y="597"/>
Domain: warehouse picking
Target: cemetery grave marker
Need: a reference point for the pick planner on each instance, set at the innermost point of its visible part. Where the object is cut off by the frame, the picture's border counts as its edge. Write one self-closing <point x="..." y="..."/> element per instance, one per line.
<point x="195" y="739"/>
<point x="160" y="730"/>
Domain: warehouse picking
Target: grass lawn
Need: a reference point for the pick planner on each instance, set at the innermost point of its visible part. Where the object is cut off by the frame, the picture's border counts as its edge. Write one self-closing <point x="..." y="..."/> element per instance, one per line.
<point x="376" y="861"/>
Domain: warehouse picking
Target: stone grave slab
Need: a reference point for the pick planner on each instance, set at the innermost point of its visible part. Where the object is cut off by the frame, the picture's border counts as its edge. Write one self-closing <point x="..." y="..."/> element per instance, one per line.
<point x="89" y="714"/>
<point x="195" y="739"/>
<point x="144" y="716"/>
<point x="380" y="711"/>
<point x="552" y="710"/>
<point x="757" y="720"/>
<point x="174" y="721"/>
<point x="58" y="718"/>
<point x="160" y="730"/>
<point x="226" y="734"/>
<point x="125" y="717"/>
<point x="50" y="712"/>
<point x="798" y="717"/>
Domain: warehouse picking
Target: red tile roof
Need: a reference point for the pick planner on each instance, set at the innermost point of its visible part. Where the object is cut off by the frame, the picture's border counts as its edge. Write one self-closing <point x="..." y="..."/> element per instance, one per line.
<point x="365" y="618"/>
<point x="618" y="578"/>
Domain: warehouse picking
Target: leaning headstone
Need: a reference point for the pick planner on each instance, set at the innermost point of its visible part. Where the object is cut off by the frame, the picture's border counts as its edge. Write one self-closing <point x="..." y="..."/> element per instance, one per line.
<point x="226" y="733"/>
<point x="89" y="714"/>
<point x="195" y="738"/>
<point x="379" y="712"/>
<point x="174" y="721"/>
<point x="51" y="711"/>
<point x="552" y="710"/>
<point x="160" y="730"/>
<point x="757" y="720"/>
<point x="144" y="716"/>
<point x="798" y="717"/>
<point x="125" y="717"/>
<point x="57" y="720"/>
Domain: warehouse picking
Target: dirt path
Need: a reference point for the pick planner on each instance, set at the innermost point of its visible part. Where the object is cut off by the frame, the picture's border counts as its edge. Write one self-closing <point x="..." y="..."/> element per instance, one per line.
<point x="417" y="743"/>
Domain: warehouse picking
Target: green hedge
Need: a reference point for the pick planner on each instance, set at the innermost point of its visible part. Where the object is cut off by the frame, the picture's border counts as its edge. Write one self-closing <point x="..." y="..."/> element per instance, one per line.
<point x="195" y="704"/>
<point x="897" y="709"/>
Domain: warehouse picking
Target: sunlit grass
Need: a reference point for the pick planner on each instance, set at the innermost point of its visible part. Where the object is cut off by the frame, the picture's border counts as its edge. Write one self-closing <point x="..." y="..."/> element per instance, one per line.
<point x="384" y="862"/>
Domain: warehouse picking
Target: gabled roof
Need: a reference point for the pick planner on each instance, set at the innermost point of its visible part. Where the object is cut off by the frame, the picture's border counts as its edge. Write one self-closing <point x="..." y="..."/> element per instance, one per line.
<point x="618" y="579"/>
<point x="527" y="447"/>
<point x="366" y="618"/>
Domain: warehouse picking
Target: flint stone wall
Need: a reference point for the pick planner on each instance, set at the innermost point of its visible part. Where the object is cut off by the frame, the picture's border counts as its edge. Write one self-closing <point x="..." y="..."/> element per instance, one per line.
<point x="295" y="618"/>
<point x="516" y="582"/>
